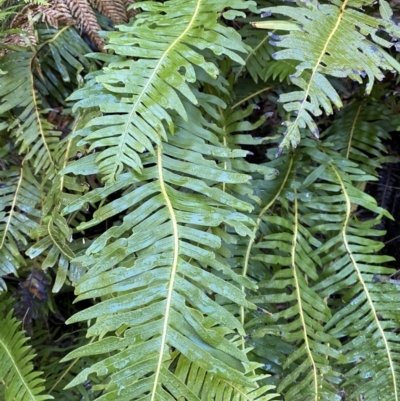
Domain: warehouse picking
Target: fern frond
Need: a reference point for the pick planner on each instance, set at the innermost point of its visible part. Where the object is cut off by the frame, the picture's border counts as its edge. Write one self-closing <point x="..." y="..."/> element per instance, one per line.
<point x="113" y="9"/>
<point x="17" y="374"/>
<point x="286" y="242"/>
<point x="135" y="94"/>
<point x="351" y="260"/>
<point x="327" y="40"/>
<point x="358" y="132"/>
<point x="217" y="388"/>
<point x="86" y="17"/>
<point x="19" y="199"/>
<point x="160" y="265"/>
<point x="34" y="134"/>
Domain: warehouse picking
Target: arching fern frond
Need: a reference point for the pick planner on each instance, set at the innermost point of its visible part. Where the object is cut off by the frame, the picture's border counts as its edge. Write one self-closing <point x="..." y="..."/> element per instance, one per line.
<point x="19" y="199"/>
<point x="358" y="132"/>
<point x="327" y="40"/>
<point x="149" y="73"/>
<point x="19" y="380"/>
<point x="300" y="317"/>
<point x="33" y="133"/>
<point x="350" y="256"/>
<point x="161" y="265"/>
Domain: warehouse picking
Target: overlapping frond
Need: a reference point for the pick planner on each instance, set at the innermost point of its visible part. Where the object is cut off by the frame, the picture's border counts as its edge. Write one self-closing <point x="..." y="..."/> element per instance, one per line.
<point x="17" y="376"/>
<point x="33" y="134"/>
<point x="19" y="199"/>
<point x="149" y="73"/>
<point x="297" y="314"/>
<point x="351" y="261"/>
<point x="162" y="268"/>
<point x="328" y="40"/>
<point x="358" y="132"/>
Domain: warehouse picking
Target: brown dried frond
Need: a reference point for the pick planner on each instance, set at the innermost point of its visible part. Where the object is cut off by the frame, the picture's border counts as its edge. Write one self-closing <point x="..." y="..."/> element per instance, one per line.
<point x="84" y="14"/>
<point x="113" y="9"/>
<point x="58" y="13"/>
<point x="131" y="13"/>
<point x="23" y="20"/>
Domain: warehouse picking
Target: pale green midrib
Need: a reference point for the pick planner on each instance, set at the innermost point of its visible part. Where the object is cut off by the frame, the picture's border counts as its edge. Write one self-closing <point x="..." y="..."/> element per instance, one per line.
<point x="150" y="79"/>
<point x="35" y="105"/>
<point x="299" y="299"/>
<point x="353" y="127"/>
<point x="49" y="225"/>
<point x="314" y="70"/>
<point x="22" y="378"/>
<point x="363" y="284"/>
<point x="251" y="54"/>
<point x="12" y="208"/>
<point x="174" y="268"/>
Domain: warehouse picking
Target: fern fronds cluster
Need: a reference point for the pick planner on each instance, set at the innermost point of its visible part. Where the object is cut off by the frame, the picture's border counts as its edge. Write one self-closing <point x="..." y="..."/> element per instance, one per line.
<point x="181" y="260"/>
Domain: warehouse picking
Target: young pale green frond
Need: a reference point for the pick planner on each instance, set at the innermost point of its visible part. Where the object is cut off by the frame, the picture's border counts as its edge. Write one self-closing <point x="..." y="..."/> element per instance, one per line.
<point x="299" y="319"/>
<point x="19" y="198"/>
<point x="159" y="271"/>
<point x="351" y="261"/>
<point x="149" y="73"/>
<point x="327" y="40"/>
<point x="19" y="380"/>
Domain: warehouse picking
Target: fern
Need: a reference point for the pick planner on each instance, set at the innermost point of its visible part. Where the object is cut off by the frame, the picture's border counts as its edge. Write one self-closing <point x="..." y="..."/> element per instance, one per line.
<point x="19" y="379"/>
<point x="328" y="40"/>
<point x="141" y="177"/>
<point x="146" y="88"/>
<point x="18" y="215"/>
<point x="165" y="230"/>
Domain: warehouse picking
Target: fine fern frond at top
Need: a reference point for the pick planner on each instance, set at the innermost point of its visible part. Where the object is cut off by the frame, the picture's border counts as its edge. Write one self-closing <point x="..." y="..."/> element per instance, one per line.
<point x="327" y="40"/>
<point x="134" y="95"/>
<point x="17" y="376"/>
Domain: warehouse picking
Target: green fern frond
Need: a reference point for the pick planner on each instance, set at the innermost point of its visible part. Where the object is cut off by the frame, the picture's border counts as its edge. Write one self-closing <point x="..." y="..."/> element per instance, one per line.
<point x="33" y="134"/>
<point x="286" y="242"/>
<point x="351" y="261"/>
<point x="327" y="40"/>
<point x="19" y="199"/>
<point x="361" y="127"/>
<point x="216" y="388"/>
<point x="155" y="270"/>
<point x="63" y="62"/>
<point x="134" y="94"/>
<point x="20" y="381"/>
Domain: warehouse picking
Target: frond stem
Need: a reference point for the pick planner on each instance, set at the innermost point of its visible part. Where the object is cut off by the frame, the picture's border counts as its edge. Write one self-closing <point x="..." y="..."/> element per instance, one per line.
<point x="256" y="228"/>
<point x="314" y="70"/>
<point x="353" y="126"/>
<point x="250" y="96"/>
<point x="299" y="299"/>
<point x="12" y="209"/>
<point x="174" y="269"/>
<point x="361" y="279"/>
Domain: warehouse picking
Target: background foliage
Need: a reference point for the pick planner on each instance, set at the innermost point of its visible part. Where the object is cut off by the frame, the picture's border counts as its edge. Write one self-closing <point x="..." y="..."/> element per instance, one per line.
<point x="152" y="245"/>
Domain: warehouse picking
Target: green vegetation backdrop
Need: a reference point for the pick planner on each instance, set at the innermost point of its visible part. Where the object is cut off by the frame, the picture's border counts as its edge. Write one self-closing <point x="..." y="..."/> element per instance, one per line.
<point x="183" y="204"/>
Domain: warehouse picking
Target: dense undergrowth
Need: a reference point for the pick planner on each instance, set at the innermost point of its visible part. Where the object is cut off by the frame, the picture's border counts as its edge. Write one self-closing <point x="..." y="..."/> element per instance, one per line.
<point x="187" y="200"/>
